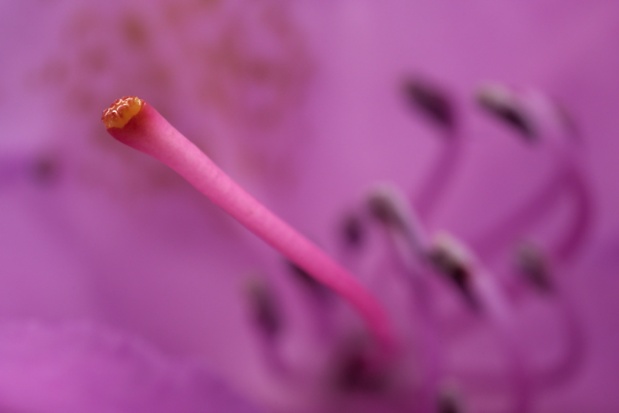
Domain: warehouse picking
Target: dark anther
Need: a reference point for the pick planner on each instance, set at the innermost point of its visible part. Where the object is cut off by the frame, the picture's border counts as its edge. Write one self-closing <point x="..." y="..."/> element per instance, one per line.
<point x="431" y="101"/>
<point x="353" y="232"/>
<point x="448" y="403"/>
<point x="383" y="210"/>
<point x="532" y="265"/>
<point x="497" y="102"/>
<point x="44" y="171"/>
<point x="264" y="307"/>
<point x="316" y="288"/>
<point x="354" y="372"/>
<point x="455" y="270"/>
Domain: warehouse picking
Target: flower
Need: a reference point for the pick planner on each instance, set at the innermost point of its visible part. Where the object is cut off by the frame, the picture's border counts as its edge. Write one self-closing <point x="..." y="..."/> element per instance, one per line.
<point x="306" y="105"/>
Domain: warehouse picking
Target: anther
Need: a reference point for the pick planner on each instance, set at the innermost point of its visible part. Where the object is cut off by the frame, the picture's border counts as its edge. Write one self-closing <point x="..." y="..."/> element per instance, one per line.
<point x="449" y="402"/>
<point x="490" y="300"/>
<point x="264" y="307"/>
<point x="352" y="231"/>
<point x="45" y="170"/>
<point x="137" y="124"/>
<point x="356" y="371"/>
<point x="431" y="101"/>
<point x="452" y="261"/>
<point x="500" y="102"/>
<point x="40" y="170"/>
<point x="314" y="287"/>
<point x="388" y="206"/>
<point x="532" y="265"/>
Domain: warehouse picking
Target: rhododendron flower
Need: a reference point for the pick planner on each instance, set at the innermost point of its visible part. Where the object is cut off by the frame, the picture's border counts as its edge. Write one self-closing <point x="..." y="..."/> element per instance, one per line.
<point x="434" y="185"/>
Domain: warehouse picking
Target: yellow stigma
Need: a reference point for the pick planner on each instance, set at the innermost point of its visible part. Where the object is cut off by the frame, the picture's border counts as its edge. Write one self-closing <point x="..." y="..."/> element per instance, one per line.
<point x="121" y="112"/>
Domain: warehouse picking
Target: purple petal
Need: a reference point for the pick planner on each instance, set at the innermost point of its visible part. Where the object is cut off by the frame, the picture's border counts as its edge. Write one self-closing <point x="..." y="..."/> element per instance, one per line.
<point x="83" y="368"/>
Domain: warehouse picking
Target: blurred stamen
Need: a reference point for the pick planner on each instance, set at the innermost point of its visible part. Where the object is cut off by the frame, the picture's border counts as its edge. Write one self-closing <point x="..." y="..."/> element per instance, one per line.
<point x="550" y="132"/>
<point x="440" y="109"/>
<point x="496" y="310"/>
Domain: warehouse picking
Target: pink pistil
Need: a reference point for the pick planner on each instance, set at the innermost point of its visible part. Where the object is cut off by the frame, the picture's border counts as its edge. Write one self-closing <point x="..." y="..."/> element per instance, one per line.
<point x="137" y="124"/>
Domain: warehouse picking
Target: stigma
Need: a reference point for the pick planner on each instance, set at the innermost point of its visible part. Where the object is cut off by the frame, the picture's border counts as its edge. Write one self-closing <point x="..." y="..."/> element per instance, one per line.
<point x="121" y="112"/>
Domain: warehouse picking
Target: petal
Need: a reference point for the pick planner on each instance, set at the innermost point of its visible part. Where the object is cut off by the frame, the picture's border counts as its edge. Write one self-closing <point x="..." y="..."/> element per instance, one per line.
<point x="83" y="368"/>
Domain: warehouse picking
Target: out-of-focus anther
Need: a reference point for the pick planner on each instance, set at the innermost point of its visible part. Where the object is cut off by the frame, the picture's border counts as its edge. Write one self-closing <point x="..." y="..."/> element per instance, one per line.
<point x="450" y="402"/>
<point x="491" y="302"/>
<point x="315" y="288"/>
<point x="41" y="170"/>
<point x="439" y="108"/>
<point x="499" y="101"/>
<point x="264" y="308"/>
<point x="434" y="103"/>
<point x="355" y="371"/>
<point x="552" y="130"/>
<point x="352" y="232"/>
<point x="533" y="267"/>
<point x="451" y="260"/>
<point x="388" y="206"/>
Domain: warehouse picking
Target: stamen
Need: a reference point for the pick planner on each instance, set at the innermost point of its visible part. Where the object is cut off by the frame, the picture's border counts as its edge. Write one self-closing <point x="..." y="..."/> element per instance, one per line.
<point x="550" y="131"/>
<point x="440" y="108"/>
<point x="45" y="170"/>
<point x="264" y="308"/>
<point x="499" y="101"/>
<point x="434" y="103"/>
<point x="453" y="261"/>
<point x="494" y="307"/>
<point x="352" y="231"/>
<point x="354" y="371"/>
<point x="388" y="205"/>
<point x="532" y="265"/>
<point x="267" y="316"/>
<point x="572" y="357"/>
<point x="385" y="206"/>
<point x="317" y="289"/>
<point x="449" y="403"/>
<point x="320" y="301"/>
<point x="516" y="223"/>
<point x="139" y="125"/>
<point x="581" y="223"/>
<point x="41" y="170"/>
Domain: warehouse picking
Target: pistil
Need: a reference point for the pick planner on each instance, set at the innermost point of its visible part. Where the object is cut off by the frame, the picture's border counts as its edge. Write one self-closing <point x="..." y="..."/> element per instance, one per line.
<point x="135" y="123"/>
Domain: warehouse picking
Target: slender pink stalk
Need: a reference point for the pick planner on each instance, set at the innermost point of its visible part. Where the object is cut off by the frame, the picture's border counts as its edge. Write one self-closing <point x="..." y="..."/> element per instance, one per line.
<point x="440" y="176"/>
<point x="497" y="312"/>
<point x="499" y="316"/>
<point x="137" y="124"/>
<point x="409" y="253"/>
